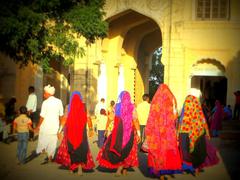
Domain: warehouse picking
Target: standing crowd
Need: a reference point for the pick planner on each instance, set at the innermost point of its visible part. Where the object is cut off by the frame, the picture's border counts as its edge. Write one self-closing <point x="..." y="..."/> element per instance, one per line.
<point x="174" y="143"/>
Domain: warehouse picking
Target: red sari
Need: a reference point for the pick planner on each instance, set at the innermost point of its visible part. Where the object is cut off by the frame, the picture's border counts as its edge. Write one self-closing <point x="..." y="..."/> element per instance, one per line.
<point x="120" y="148"/>
<point x="161" y="133"/>
<point x="74" y="149"/>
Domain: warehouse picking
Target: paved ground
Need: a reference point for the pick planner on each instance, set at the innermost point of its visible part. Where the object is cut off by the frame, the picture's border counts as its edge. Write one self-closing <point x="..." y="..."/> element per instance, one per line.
<point x="225" y="170"/>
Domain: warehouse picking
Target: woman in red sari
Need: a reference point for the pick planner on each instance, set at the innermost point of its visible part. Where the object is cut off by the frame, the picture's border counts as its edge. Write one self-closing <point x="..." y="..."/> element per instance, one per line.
<point x="161" y="134"/>
<point x="120" y="149"/>
<point x="74" y="150"/>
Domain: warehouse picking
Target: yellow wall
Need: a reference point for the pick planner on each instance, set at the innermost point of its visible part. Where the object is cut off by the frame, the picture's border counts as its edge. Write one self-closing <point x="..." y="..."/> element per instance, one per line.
<point x="185" y="41"/>
<point x="136" y="29"/>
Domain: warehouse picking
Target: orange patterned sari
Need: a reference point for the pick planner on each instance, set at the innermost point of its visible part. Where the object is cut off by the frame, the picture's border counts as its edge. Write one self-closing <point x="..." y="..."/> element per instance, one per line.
<point x="161" y="134"/>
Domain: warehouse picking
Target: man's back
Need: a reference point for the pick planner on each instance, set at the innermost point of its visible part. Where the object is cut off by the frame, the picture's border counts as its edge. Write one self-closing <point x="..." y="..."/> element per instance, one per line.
<point x="51" y="109"/>
<point x="32" y="102"/>
<point x="143" y="112"/>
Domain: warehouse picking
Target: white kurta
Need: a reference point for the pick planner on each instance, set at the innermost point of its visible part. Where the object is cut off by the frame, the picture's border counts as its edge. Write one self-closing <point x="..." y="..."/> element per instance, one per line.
<point x="120" y="80"/>
<point x="102" y="83"/>
<point x="51" y="110"/>
<point x="101" y="119"/>
<point x="32" y="102"/>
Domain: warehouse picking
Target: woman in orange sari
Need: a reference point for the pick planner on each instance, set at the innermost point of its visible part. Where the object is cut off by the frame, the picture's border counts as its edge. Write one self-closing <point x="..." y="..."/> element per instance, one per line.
<point x="74" y="150"/>
<point x="161" y="134"/>
<point x="120" y="149"/>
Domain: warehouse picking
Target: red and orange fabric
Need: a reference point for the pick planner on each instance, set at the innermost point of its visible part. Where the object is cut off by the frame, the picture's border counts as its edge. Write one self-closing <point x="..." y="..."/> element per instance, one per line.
<point x="161" y="134"/>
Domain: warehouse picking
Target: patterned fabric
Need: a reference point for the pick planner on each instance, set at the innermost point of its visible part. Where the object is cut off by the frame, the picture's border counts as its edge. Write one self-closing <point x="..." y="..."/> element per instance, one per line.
<point x="124" y="110"/>
<point x="63" y="157"/>
<point x="120" y="148"/>
<point x="192" y="120"/>
<point x="130" y="161"/>
<point x="161" y="135"/>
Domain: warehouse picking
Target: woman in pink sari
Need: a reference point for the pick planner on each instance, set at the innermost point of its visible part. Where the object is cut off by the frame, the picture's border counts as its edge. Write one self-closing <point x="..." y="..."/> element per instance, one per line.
<point x="120" y="149"/>
<point x="161" y="134"/>
<point x="216" y="119"/>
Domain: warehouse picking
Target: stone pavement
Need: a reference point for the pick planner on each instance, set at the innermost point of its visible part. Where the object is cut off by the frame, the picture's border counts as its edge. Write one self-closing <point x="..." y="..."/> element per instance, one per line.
<point x="9" y="169"/>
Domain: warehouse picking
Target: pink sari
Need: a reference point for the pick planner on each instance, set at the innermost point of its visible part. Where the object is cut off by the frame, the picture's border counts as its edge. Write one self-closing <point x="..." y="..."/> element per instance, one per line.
<point x="217" y="117"/>
<point x="120" y="148"/>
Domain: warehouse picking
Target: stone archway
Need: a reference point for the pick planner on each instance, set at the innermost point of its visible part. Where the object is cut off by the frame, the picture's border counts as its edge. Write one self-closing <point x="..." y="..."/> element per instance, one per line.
<point x="208" y="75"/>
<point x="210" y="67"/>
<point x="132" y="39"/>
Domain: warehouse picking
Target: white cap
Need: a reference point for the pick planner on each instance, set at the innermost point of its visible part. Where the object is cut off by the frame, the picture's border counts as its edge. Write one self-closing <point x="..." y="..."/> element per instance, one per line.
<point x="195" y="92"/>
<point x="49" y="89"/>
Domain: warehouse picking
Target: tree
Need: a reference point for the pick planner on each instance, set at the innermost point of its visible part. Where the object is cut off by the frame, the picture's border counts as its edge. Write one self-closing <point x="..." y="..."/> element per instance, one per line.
<point x="39" y="31"/>
<point x="156" y="73"/>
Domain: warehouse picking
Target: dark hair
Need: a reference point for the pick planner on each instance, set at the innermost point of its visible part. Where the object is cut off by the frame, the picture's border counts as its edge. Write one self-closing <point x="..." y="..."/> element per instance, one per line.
<point x="23" y="110"/>
<point x="102" y="100"/>
<point x="112" y="103"/>
<point x="31" y="89"/>
<point x="145" y="97"/>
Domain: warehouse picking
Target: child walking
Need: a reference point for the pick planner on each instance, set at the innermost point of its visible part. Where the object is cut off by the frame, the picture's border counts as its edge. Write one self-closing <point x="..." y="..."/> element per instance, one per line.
<point x="22" y="125"/>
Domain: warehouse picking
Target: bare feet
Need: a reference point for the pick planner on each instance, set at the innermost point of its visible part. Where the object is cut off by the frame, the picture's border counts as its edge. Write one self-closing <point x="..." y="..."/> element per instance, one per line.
<point x="124" y="171"/>
<point x="197" y="171"/>
<point x="50" y="159"/>
<point x="118" y="173"/>
<point x="162" y="177"/>
<point x="80" y="173"/>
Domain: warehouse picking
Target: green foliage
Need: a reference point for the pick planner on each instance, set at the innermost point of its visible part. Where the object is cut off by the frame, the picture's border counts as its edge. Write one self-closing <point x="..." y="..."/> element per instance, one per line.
<point x="157" y="72"/>
<point x="39" y="31"/>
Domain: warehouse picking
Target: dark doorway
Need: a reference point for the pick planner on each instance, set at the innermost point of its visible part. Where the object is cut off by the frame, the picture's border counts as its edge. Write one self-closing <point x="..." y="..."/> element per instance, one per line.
<point x="212" y="88"/>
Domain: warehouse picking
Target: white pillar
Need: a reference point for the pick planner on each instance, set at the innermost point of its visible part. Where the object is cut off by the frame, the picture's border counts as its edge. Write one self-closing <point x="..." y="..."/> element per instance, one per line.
<point x="120" y="79"/>
<point x="102" y="83"/>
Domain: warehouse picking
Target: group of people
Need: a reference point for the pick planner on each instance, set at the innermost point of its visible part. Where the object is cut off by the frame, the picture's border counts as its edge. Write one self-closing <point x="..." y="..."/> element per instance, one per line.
<point x="173" y="143"/>
<point x="11" y="122"/>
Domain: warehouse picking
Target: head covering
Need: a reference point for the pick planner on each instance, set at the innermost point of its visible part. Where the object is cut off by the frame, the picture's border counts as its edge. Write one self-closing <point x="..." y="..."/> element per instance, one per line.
<point x="76" y="120"/>
<point x="124" y="110"/>
<point x="49" y="89"/>
<point x="73" y="93"/>
<point x="195" y="92"/>
<point x="160" y="130"/>
<point x="192" y="120"/>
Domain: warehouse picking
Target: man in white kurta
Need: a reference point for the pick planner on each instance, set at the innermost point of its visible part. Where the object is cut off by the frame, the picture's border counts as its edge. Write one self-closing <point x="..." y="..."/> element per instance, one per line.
<point x="50" y="116"/>
<point x="31" y="106"/>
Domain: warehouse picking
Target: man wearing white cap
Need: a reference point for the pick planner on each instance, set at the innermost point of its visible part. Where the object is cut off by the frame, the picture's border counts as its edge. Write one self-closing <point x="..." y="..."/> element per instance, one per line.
<point x="50" y="117"/>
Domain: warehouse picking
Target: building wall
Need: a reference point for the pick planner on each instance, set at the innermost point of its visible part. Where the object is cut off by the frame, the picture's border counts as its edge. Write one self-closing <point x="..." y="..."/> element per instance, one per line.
<point x="216" y="40"/>
<point x="185" y="41"/>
